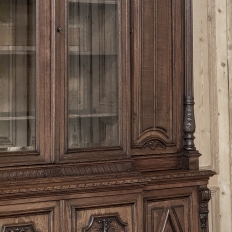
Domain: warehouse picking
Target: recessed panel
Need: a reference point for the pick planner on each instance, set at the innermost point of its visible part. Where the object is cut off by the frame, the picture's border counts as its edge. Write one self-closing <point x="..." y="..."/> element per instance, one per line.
<point x="158" y="79"/>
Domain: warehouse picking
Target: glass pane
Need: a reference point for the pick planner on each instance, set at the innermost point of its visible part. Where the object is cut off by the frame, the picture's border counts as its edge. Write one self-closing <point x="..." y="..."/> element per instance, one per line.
<point x="93" y="74"/>
<point x="17" y="74"/>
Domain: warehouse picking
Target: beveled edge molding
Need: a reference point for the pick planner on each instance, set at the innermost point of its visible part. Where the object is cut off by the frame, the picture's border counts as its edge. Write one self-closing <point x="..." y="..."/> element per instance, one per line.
<point x="78" y="186"/>
<point x="204" y="197"/>
<point x="183" y="175"/>
<point x="62" y="171"/>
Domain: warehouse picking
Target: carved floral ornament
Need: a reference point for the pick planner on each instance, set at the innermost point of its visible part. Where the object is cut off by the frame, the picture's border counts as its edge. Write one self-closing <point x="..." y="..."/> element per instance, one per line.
<point x="105" y="223"/>
<point x="154" y="144"/>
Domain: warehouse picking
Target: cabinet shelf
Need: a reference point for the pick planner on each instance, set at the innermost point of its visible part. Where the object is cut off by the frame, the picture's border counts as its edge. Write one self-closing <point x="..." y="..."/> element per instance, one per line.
<point x="17" y="118"/>
<point x="96" y="115"/>
<point x="74" y="50"/>
<point x="10" y="149"/>
<point x="19" y="50"/>
<point x="94" y="1"/>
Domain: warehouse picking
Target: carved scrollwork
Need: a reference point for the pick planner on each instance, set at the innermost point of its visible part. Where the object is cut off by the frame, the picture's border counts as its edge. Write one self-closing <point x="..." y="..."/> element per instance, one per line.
<point x="154" y="144"/>
<point x="19" y="228"/>
<point x="105" y="223"/>
<point x="205" y="196"/>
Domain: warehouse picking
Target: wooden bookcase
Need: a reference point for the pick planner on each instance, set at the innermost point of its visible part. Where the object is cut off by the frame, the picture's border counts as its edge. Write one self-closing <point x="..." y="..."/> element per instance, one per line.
<point x="97" y="118"/>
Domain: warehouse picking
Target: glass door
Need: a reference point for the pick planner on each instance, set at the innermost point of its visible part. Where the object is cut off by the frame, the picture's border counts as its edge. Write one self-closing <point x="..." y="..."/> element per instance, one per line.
<point x="17" y="75"/>
<point x="93" y="74"/>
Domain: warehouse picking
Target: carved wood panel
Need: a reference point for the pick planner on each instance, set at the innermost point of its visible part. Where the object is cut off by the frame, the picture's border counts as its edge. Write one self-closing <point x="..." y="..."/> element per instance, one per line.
<point x="87" y="215"/>
<point x="158" y="78"/>
<point x="29" y="217"/>
<point x="168" y="216"/>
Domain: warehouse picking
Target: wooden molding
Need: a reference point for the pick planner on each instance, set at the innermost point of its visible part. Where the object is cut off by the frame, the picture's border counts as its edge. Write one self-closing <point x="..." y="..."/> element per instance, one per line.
<point x="97" y="181"/>
<point x="13" y="174"/>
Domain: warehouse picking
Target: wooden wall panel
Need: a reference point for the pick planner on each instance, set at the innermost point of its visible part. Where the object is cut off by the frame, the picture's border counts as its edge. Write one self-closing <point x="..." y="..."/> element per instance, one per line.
<point x="212" y="75"/>
<point x="204" y="74"/>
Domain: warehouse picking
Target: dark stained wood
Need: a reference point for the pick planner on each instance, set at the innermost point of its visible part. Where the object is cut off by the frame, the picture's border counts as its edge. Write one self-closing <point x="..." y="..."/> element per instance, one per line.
<point x="158" y="77"/>
<point x="42" y="153"/>
<point x="150" y="181"/>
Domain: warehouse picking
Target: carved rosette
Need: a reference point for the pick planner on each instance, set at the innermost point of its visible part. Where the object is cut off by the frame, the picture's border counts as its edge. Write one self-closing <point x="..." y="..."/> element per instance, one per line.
<point x="189" y="124"/>
<point x="19" y="228"/>
<point x="105" y="223"/>
<point x="154" y="144"/>
<point x="205" y="196"/>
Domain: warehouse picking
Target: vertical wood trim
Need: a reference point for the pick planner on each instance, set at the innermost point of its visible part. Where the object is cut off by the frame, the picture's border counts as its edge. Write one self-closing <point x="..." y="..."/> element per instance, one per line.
<point x="205" y="73"/>
<point x="125" y="37"/>
<point x="43" y="64"/>
<point x="229" y="73"/>
<point x="212" y="72"/>
<point x="53" y="73"/>
<point x="188" y="49"/>
<point x="189" y="120"/>
<point x="224" y="178"/>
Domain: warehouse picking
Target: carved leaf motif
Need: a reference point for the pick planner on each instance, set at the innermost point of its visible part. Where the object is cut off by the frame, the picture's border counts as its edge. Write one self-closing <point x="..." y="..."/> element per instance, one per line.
<point x="154" y="144"/>
<point x="105" y="223"/>
<point x="19" y="228"/>
<point x="205" y="196"/>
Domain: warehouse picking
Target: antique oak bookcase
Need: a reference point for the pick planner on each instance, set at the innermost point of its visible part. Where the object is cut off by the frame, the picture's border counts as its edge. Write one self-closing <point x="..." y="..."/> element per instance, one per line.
<point x="97" y="118"/>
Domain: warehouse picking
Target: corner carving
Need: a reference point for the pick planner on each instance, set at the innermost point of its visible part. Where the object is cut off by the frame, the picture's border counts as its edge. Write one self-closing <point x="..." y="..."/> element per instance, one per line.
<point x="105" y="223"/>
<point x="19" y="228"/>
<point x="154" y="144"/>
<point x="205" y="196"/>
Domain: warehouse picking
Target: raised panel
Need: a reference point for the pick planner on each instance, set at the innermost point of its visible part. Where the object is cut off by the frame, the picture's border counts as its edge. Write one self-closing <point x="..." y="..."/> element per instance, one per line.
<point x="82" y="218"/>
<point x="168" y="216"/>
<point x="159" y="75"/>
<point x="30" y="217"/>
<point x="104" y="213"/>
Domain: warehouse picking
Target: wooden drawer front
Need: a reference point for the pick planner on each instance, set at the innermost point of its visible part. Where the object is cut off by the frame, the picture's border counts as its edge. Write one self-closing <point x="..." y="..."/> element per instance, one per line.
<point x="29" y="217"/>
<point x="168" y="216"/>
<point x="101" y="214"/>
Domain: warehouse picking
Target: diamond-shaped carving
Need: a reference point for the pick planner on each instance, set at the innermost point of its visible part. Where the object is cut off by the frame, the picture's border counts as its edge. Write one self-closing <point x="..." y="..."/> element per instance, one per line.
<point x="19" y="228"/>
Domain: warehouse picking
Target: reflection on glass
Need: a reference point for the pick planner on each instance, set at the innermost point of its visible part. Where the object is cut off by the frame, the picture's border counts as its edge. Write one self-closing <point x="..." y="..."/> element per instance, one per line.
<point x="93" y="74"/>
<point x="17" y="74"/>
